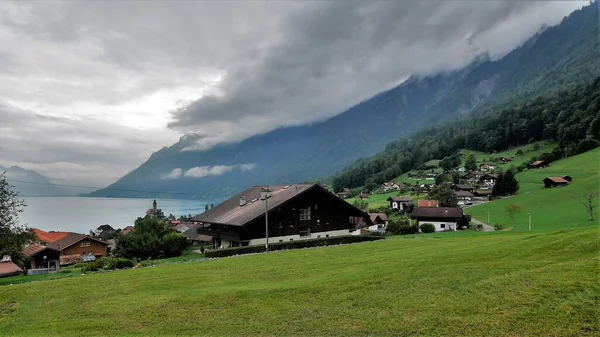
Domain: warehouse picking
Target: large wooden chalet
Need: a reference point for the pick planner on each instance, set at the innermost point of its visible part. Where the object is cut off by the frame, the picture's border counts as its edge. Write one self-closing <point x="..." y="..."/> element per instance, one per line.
<point x="295" y="212"/>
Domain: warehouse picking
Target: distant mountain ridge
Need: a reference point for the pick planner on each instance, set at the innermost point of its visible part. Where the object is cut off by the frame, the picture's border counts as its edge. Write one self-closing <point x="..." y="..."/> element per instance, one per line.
<point x="29" y="183"/>
<point x="557" y="58"/>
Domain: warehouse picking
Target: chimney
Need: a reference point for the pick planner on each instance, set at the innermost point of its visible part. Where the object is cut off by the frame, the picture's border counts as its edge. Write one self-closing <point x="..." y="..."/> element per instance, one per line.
<point x="242" y="201"/>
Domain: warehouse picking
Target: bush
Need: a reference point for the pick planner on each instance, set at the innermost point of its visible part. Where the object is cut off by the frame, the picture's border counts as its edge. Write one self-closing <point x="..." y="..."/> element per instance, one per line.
<point x="336" y="240"/>
<point x="498" y="226"/>
<point x="80" y="265"/>
<point x="427" y="228"/>
<point x="401" y="226"/>
<point x="65" y="271"/>
<point x="108" y="263"/>
<point x="151" y="238"/>
<point x="479" y="227"/>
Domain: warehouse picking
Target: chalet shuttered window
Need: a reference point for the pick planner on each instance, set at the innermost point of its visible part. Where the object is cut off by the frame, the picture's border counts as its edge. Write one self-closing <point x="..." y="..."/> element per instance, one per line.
<point x="304" y="214"/>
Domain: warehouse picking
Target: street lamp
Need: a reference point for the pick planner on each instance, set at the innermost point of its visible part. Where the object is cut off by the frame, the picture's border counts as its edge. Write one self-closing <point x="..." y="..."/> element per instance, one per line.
<point x="265" y="193"/>
<point x="529" y="220"/>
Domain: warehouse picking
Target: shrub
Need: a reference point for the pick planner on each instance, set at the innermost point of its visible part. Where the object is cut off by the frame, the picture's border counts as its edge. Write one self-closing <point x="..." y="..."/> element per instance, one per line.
<point x="80" y="265"/>
<point x="65" y="271"/>
<point x="336" y="240"/>
<point x="427" y="228"/>
<point x="108" y="263"/>
<point x="479" y="227"/>
<point x="151" y="238"/>
<point x="401" y="226"/>
<point x="498" y="226"/>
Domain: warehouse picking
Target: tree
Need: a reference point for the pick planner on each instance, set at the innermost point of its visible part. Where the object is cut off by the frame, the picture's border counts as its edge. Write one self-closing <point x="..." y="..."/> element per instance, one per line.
<point x="441" y="178"/>
<point x="358" y="203"/>
<point x="512" y="210"/>
<point x="152" y="238"/>
<point x="511" y="184"/>
<point x="444" y="195"/>
<point x="206" y="207"/>
<point x="446" y="164"/>
<point x="588" y="202"/>
<point x="13" y="236"/>
<point x="471" y="163"/>
<point x="370" y="184"/>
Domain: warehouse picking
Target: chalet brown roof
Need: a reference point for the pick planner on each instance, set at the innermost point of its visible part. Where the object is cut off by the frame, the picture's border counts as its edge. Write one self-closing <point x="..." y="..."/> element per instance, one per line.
<point x="481" y="193"/>
<point x="558" y="180"/>
<point x="71" y="239"/>
<point x="231" y="213"/>
<point x="8" y="268"/>
<point x="463" y="194"/>
<point x="35" y="248"/>
<point x="381" y="216"/>
<point x="400" y="198"/>
<point x="427" y="203"/>
<point x="127" y="229"/>
<point x="437" y="212"/>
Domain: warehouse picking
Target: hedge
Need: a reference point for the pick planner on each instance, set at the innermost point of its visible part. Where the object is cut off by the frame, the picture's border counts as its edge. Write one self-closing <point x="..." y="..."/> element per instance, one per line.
<point x="335" y="240"/>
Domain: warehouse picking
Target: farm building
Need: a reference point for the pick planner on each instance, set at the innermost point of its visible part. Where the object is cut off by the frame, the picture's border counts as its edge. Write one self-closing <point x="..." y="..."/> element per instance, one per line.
<point x="538" y="164"/>
<point x="443" y="218"/>
<point x="295" y="212"/>
<point x="400" y="203"/>
<point x="556" y="181"/>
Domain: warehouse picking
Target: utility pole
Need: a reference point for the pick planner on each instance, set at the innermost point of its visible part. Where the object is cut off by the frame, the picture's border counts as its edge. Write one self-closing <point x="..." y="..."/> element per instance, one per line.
<point x="265" y="193"/>
<point x="529" y="220"/>
<point x="488" y="218"/>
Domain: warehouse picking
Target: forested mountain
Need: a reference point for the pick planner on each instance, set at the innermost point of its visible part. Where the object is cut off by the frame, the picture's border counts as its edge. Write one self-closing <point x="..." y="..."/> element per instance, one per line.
<point x="559" y="57"/>
<point x="30" y="183"/>
<point x="571" y="118"/>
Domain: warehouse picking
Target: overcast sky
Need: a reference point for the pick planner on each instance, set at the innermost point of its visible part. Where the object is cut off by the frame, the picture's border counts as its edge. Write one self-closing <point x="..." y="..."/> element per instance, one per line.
<point x="88" y="90"/>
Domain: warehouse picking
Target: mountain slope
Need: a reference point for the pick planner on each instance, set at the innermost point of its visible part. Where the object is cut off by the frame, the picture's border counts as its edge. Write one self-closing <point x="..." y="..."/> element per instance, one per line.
<point x="554" y="59"/>
<point x="31" y="184"/>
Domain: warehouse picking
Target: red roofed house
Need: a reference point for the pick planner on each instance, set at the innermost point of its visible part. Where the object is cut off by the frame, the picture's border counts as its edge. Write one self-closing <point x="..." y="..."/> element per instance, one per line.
<point x="127" y="230"/>
<point x="427" y="203"/>
<point x="8" y="268"/>
<point x="72" y="246"/>
<point x="557" y="181"/>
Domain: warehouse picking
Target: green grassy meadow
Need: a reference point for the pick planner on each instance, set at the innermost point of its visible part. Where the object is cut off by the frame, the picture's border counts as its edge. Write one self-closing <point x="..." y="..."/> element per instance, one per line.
<point x="550" y="208"/>
<point x="528" y="153"/>
<point x="503" y="284"/>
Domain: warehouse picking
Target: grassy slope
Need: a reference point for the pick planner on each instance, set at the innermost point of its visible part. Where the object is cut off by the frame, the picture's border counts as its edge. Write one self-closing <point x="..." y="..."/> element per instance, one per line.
<point x="554" y="208"/>
<point x="505" y="284"/>
<point x="528" y="153"/>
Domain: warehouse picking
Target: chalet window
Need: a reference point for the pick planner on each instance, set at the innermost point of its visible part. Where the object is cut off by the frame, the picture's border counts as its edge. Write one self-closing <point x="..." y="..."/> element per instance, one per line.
<point x="304" y="214"/>
<point x="84" y="244"/>
<point x="443" y="225"/>
<point x="318" y="222"/>
<point x="280" y="225"/>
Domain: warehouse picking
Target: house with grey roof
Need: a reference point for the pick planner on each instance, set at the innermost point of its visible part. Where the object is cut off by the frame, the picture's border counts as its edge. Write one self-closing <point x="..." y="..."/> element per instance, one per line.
<point x="293" y="212"/>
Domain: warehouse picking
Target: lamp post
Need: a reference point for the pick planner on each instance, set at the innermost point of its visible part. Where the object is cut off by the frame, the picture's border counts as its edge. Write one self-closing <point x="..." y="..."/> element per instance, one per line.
<point x="529" y="220"/>
<point x="265" y="193"/>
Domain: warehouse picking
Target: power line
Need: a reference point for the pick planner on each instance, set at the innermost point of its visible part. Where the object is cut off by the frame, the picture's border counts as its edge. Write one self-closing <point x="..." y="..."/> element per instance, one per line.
<point x="98" y="188"/>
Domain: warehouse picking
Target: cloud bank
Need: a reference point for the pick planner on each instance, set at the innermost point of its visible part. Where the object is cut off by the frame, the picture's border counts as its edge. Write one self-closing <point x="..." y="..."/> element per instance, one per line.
<point x="205" y="171"/>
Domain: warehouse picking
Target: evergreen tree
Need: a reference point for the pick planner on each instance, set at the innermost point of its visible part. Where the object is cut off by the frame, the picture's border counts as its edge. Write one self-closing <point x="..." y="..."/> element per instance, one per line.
<point x="206" y="207"/>
<point x="471" y="163"/>
<point x="500" y="186"/>
<point x="444" y="195"/>
<point x="510" y="183"/>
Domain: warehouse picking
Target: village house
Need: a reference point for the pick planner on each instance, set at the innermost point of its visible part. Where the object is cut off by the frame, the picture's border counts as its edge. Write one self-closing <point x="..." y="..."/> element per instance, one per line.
<point x="363" y="196"/>
<point x="105" y="232"/>
<point x="538" y="164"/>
<point x="427" y="203"/>
<point x="380" y="221"/>
<point x="9" y="268"/>
<point x="73" y="247"/>
<point x="464" y="197"/>
<point x="505" y="160"/>
<point x="390" y="186"/>
<point x="443" y="218"/>
<point x="488" y="181"/>
<point x="463" y="187"/>
<point x="473" y="177"/>
<point x="557" y="181"/>
<point x="400" y="203"/>
<point x="43" y="259"/>
<point x="482" y="194"/>
<point x="127" y="230"/>
<point x="461" y="169"/>
<point x="295" y="212"/>
<point x="344" y="194"/>
<point x="484" y="167"/>
<point x="197" y="239"/>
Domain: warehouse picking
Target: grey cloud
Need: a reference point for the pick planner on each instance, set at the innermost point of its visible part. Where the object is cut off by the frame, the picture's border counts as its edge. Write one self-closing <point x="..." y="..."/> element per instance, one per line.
<point x="331" y="55"/>
<point x="205" y="171"/>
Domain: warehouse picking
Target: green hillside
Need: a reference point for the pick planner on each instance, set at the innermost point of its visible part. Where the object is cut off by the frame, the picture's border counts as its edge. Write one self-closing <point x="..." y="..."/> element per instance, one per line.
<point x="554" y="208"/>
<point x="510" y="284"/>
<point x="529" y="151"/>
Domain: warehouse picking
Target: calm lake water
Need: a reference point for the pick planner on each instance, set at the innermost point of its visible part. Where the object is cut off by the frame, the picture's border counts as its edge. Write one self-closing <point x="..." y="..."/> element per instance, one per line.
<point x="79" y="214"/>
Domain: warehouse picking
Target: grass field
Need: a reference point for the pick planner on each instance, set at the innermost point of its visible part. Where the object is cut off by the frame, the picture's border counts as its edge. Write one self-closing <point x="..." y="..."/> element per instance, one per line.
<point x="528" y="153"/>
<point x="554" y="208"/>
<point x="504" y="284"/>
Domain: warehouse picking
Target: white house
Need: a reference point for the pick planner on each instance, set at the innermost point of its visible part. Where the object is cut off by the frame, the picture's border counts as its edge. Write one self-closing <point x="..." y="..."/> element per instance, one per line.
<point x="400" y="203"/>
<point x="443" y="218"/>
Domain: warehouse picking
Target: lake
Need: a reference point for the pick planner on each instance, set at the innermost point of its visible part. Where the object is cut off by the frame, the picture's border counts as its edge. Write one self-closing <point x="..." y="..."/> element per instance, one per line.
<point x="80" y="214"/>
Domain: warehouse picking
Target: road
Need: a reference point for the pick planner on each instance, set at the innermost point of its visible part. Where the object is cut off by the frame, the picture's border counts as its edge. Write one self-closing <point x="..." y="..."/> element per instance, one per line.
<point x="486" y="227"/>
